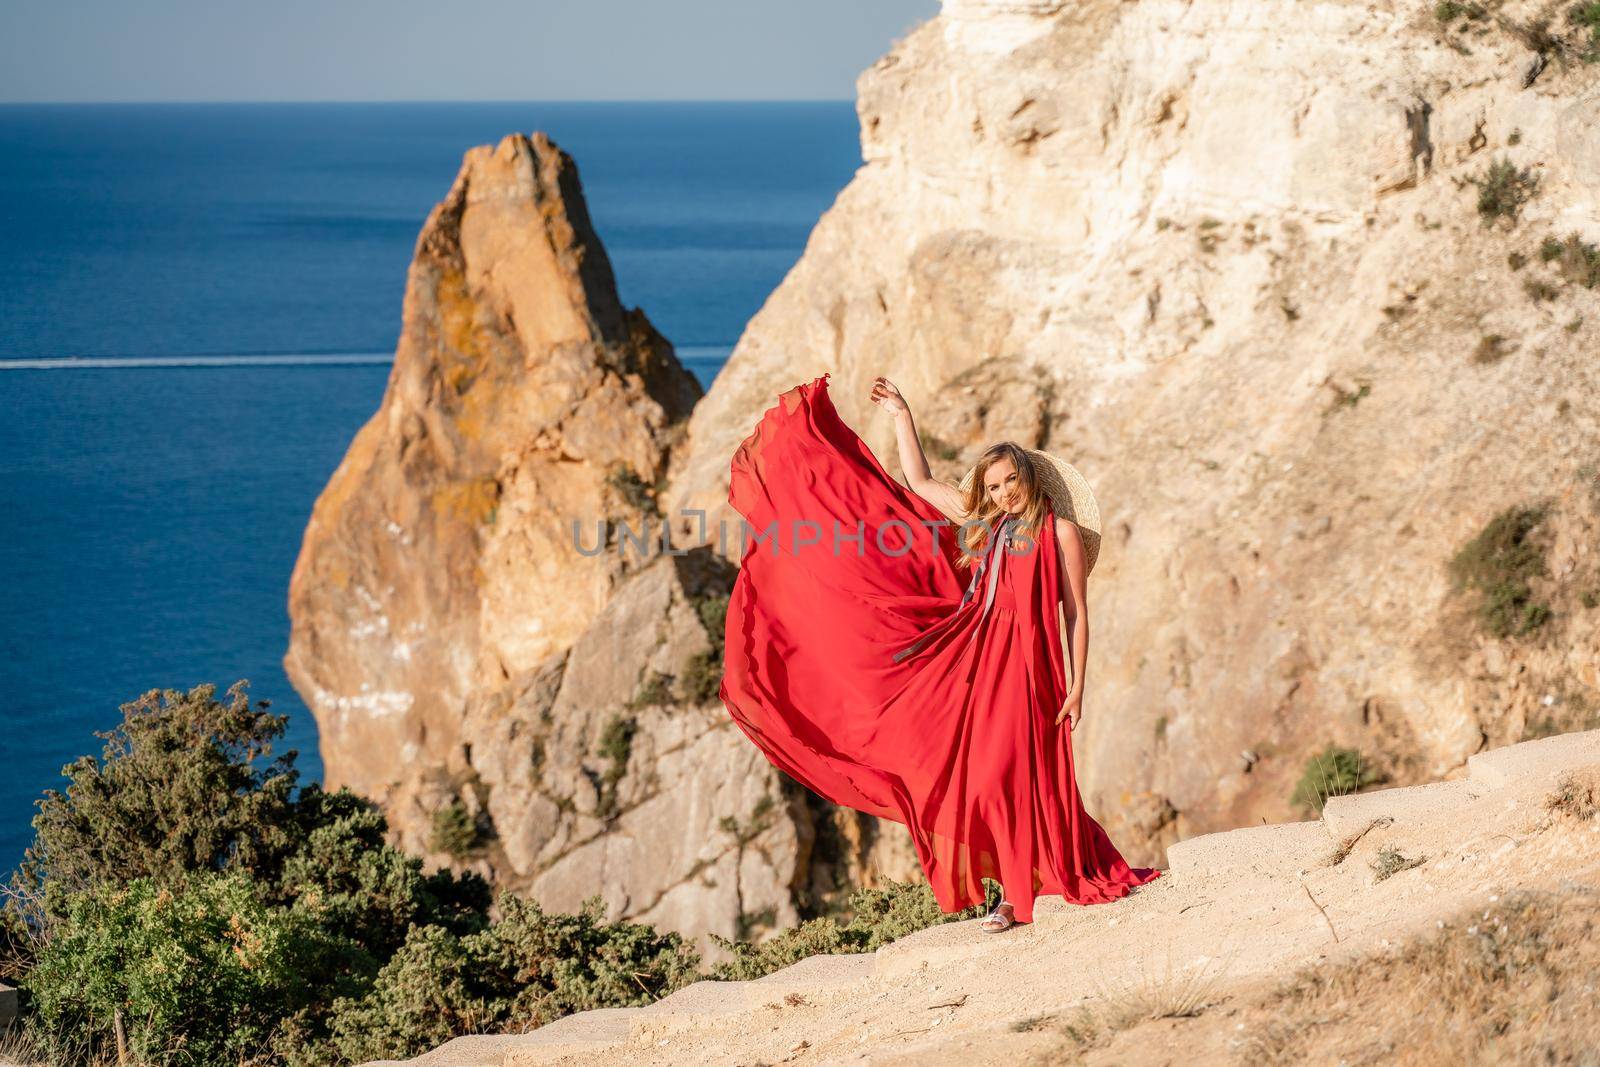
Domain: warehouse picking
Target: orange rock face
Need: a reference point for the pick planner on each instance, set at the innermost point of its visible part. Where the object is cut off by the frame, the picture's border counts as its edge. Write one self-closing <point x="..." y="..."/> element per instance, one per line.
<point x="441" y="552"/>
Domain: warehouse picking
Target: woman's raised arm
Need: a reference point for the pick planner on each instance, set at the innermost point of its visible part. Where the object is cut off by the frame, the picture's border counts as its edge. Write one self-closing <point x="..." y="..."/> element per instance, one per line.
<point x="919" y="478"/>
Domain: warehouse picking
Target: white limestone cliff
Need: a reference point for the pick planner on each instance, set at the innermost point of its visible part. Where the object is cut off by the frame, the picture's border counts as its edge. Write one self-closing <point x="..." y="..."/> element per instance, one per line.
<point x="1225" y="256"/>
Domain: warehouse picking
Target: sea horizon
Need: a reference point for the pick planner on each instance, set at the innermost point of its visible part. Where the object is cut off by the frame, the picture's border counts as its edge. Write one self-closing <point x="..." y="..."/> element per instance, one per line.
<point x="754" y="101"/>
<point x="243" y="277"/>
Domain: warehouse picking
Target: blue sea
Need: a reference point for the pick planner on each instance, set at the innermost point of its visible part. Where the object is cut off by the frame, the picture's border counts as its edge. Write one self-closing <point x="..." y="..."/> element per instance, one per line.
<point x="198" y="304"/>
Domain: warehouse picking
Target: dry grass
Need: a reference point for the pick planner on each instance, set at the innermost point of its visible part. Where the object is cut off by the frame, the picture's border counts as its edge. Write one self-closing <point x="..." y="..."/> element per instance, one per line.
<point x="18" y="1049"/>
<point x="1513" y="983"/>
<point x="1539" y="290"/>
<point x="1575" y="259"/>
<point x="1172" y="993"/>
<point x="1491" y="349"/>
<point x="1343" y="849"/>
<point x="1515" y="980"/>
<point x="1392" y="861"/>
<point x="1576" y="796"/>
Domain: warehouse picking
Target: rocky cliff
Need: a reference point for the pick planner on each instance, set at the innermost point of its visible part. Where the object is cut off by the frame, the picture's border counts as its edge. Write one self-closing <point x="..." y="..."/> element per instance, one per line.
<point x="1309" y="293"/>
<point x="472" y="660"/>
<point x="1296" y="288"/>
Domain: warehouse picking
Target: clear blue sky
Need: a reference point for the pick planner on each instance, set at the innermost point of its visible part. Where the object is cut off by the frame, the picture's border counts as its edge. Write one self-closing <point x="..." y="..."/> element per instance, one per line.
<point x="102" y="50"/>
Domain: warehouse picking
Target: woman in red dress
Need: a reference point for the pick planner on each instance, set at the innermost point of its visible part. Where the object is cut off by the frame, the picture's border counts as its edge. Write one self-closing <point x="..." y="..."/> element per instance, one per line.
<point x="903" y="666"/>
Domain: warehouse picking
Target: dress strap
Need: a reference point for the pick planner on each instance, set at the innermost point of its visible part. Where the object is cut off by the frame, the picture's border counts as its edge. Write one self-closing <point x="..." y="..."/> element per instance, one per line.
<point x="1002" y="536"/>
<point x="987" y="563"/>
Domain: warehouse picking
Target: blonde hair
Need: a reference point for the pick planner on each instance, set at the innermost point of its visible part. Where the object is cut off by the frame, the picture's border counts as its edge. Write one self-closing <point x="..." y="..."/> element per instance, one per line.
<point x="984" y="515"/>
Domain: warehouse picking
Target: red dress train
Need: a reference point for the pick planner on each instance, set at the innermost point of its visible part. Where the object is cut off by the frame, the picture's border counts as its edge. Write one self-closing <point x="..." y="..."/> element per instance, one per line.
<point x="878" y="673"/>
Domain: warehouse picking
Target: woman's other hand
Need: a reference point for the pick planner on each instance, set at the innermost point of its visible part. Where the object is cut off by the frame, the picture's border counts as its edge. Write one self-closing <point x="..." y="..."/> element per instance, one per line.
<point x="886" y="396"/>
<point x="1072" y="707"/>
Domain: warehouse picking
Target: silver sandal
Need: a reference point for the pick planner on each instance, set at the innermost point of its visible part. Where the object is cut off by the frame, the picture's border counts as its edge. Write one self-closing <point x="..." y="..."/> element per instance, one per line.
<point x="995" y="921"/>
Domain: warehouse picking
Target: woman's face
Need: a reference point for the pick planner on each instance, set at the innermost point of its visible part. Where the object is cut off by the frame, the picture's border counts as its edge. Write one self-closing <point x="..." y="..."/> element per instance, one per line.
<point x="1002" y="486"/>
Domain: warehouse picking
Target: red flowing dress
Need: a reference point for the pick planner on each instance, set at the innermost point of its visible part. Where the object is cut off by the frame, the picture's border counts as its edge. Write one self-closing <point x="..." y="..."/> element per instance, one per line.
<point x="883" y="674"/>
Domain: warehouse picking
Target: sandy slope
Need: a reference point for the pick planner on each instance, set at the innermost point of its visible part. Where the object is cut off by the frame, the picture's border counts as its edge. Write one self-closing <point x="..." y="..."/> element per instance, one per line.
<point x="1239" y="908"/>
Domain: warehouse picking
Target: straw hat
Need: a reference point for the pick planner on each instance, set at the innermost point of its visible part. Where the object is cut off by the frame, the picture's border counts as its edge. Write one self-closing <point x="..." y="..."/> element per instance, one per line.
<point x="1069" y="494"/>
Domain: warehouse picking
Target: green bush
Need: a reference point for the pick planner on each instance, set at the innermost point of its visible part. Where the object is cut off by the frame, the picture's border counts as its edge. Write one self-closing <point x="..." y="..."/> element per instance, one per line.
<point x="358" y="887"/>
<point x="427" y="993"/>
<point x="1333" y="772"/>
<point x="179" y="886"/>
<point x="1502" y="190"/>
<point x="1586" y="16"/>
<point x="656" y="691"/>
<point x="751" y="960"/>
<point x="879" y="915"/>
<point x="713" y="612"/>
<point x="181" y="812"/>
<point x="1499" y="565"/>
<point x="196" y="975"/>
<point x="616" y="747"/>
<point x="616" y="739"/>
<point x="454" y="832"/>
<point x="528" y="969"/>
<point x="182" y="786"/>
<point x="702" y="677"/>
<point x="555" y="963"/>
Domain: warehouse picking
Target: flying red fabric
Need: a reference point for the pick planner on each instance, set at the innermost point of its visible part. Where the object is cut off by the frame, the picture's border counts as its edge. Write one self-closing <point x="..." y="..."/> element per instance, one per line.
<point x="877" y="673"/>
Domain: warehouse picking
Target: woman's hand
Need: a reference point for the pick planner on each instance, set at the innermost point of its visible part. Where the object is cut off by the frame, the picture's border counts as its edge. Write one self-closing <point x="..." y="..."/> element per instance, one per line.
<point x="886" y="396"/>
<point x="1073" y="707"/>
